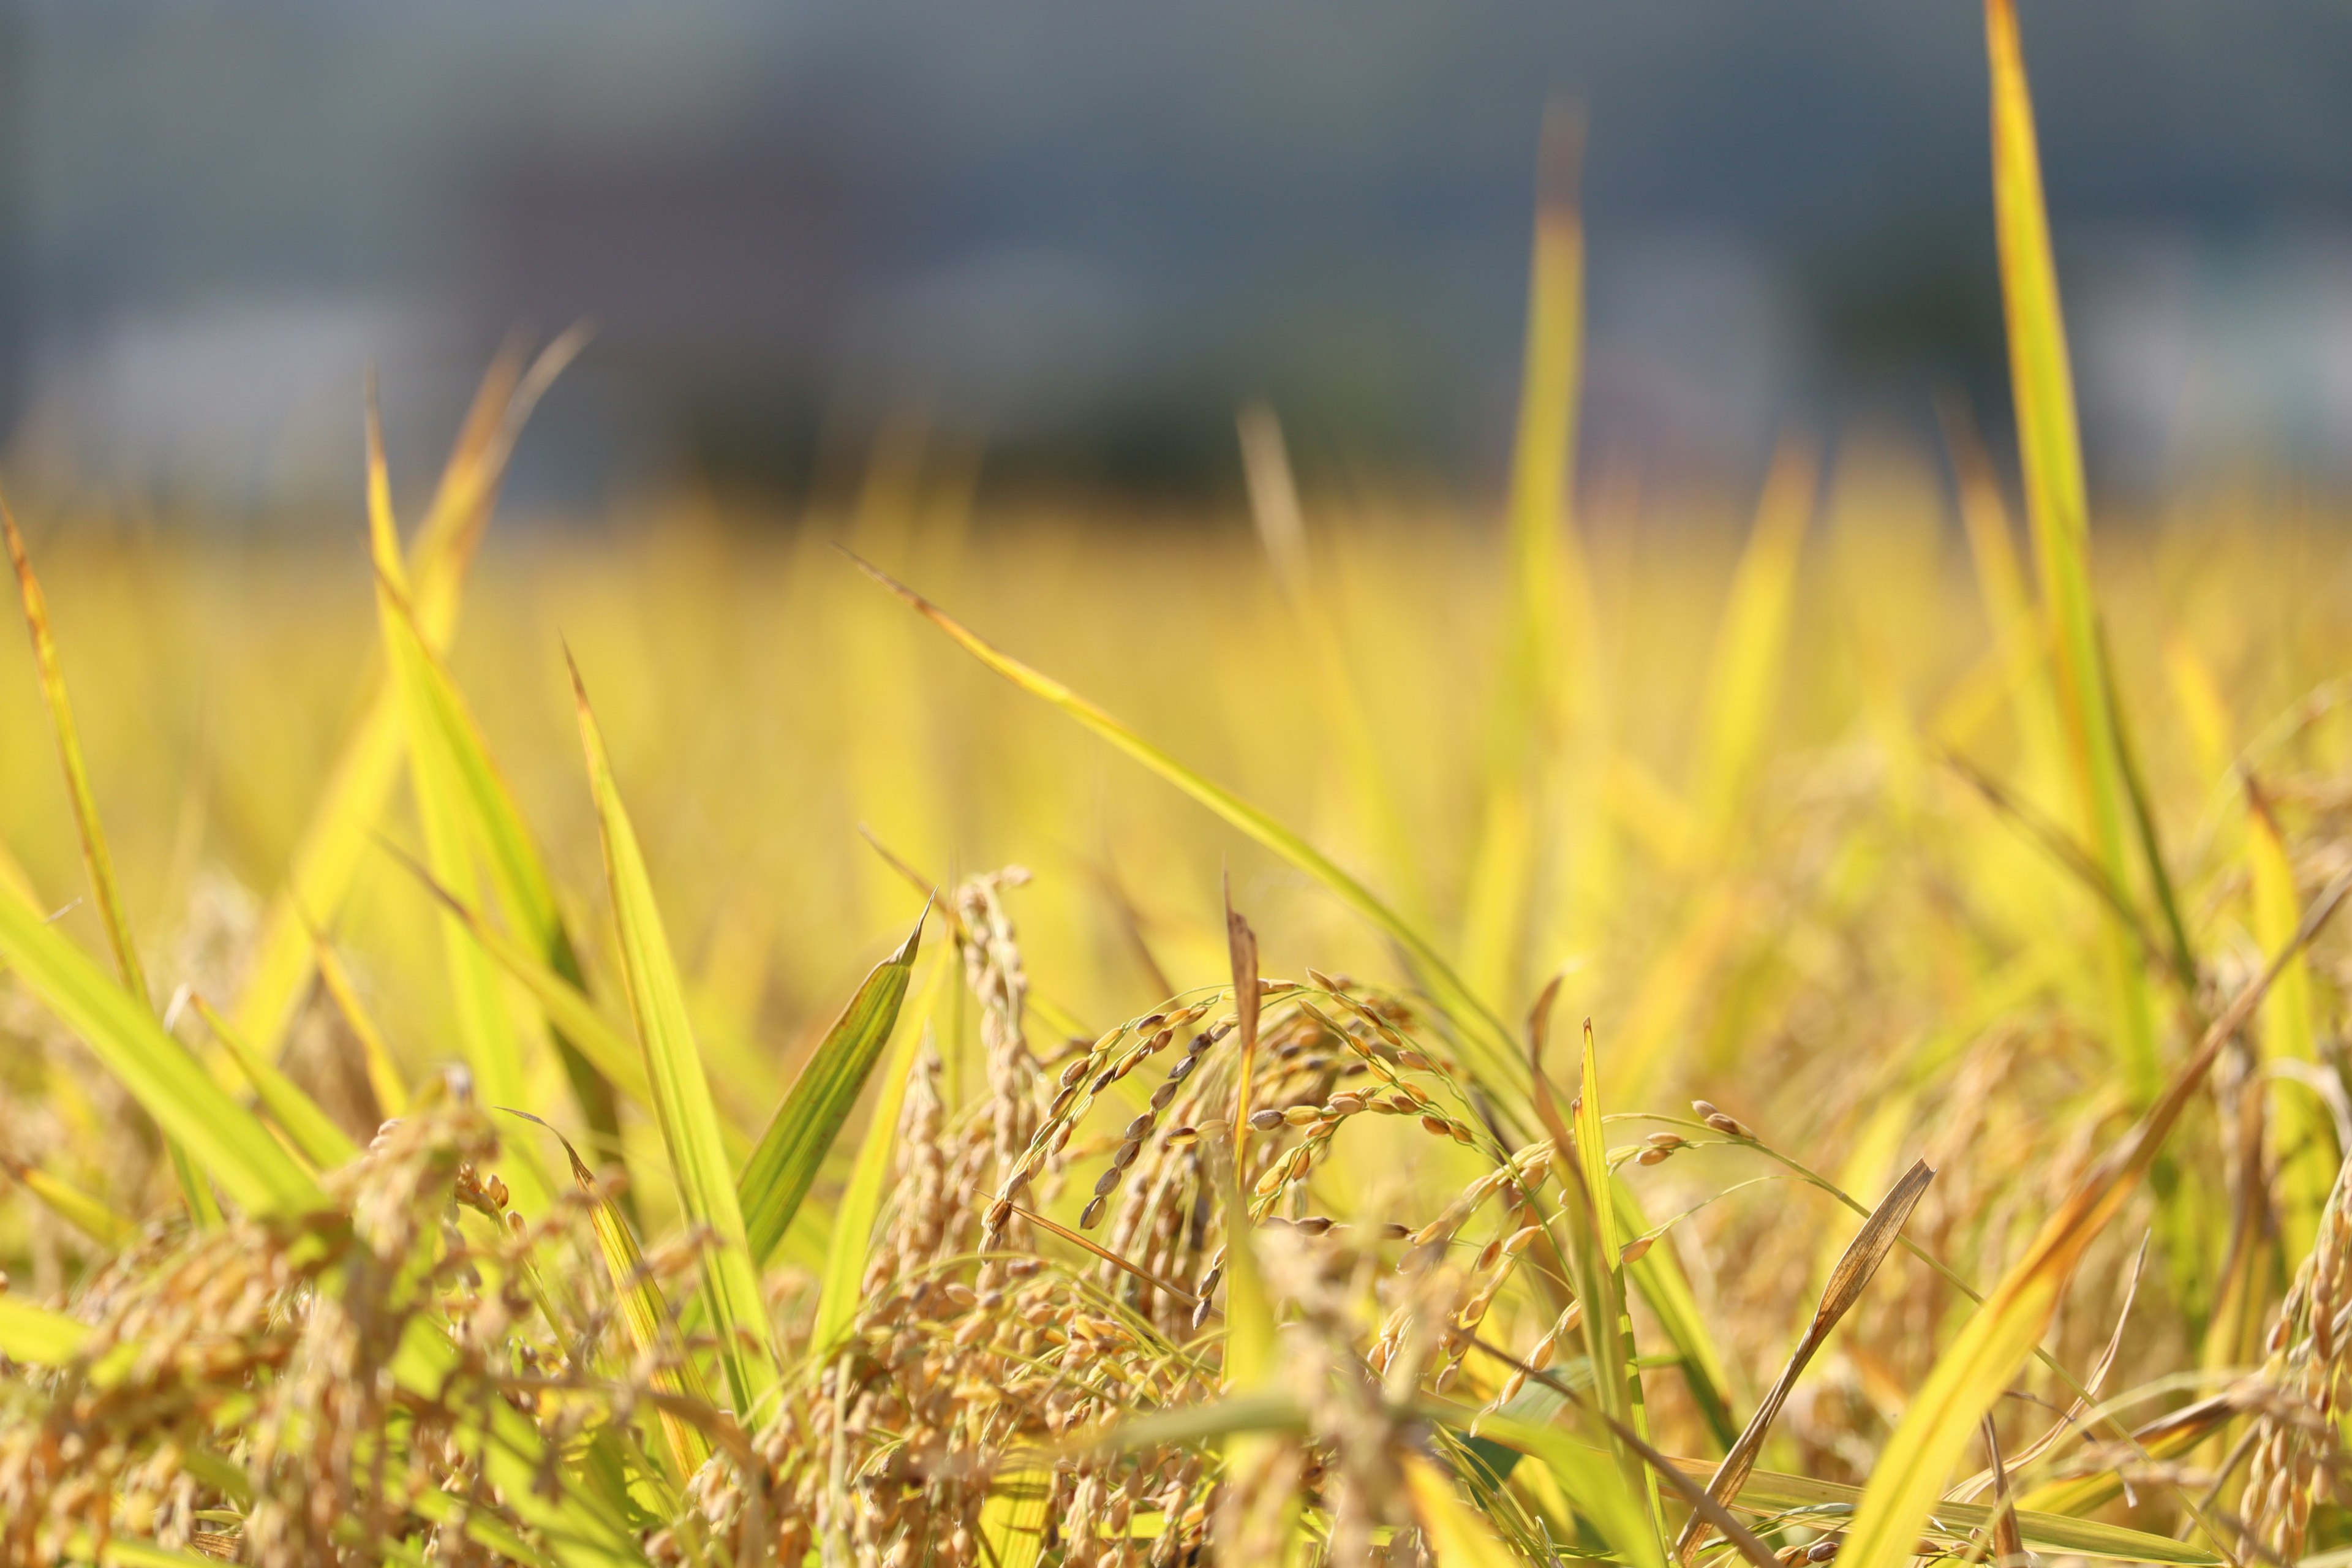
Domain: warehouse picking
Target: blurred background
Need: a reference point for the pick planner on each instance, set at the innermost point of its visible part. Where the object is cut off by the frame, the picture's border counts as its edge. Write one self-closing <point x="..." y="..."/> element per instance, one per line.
<point x="1071" y="237"/>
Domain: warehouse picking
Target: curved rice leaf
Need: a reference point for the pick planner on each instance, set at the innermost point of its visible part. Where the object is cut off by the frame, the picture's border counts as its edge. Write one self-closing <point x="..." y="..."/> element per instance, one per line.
<point x="1457" y="1536"/>
<point x="86" y="1214"/>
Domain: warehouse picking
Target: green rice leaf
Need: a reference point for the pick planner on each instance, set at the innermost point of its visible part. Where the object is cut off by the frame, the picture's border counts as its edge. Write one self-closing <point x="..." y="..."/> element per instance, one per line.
<point x="784" y="1164"/>
<point x="853" y="1221"/>
<point x="333" y="842"/>
<point x="97" y="859"/>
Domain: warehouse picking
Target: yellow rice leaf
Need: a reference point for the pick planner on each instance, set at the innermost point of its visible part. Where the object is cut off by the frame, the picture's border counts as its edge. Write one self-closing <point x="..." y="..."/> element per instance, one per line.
<point x="1743" y="682"/>
<point x="567" y="1007"/>
<point x="1458" y="1537"/>
<point x="646" y="1313"/>
<point x="484" y="805"/>
<point x="2300" y="1132"/>
<point x="383" y="1072"/>
<point x="681" y="1094"/>
<point x="1546" y="607"/>
<point x="86" y="1214"/>
<point x="1942" y="1419"/>
<point x="96" y="858"/>
<point x="581" y="1529"/>
<point x="1013" y="1517"/>
<point x="1583" y="1469"/>
<point x="1365" y="768"/>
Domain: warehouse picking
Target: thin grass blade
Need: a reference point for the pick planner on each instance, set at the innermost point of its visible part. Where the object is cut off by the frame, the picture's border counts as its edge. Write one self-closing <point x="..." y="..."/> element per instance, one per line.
<point x="1942" y="1418"/>
<point x="86" y="1214"/>
<point x="486" y="1029"/>
<point x="333" y="842"/>
<point x="1487" y="1036"/>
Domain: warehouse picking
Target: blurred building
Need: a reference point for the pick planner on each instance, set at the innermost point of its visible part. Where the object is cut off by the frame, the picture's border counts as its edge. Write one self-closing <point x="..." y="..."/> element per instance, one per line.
<point x="1080" y="234"/>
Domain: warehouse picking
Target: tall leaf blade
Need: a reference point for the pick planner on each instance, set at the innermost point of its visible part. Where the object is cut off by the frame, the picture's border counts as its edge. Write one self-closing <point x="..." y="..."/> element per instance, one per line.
<point x="97" y="859"/>
<point x="1547" y="589"/>
<point x="786" y="1163"/>
<point x="480" y="798"/>
<point x="1942" y="1419"/>
<point x="2302" y="1133"/>
<point x="2050" y="447"/>
<point x="484" y="1029"/>
<point x="309" y="1128"/>
<point x="682" y="1103"/>
<point x="338" y="833"/>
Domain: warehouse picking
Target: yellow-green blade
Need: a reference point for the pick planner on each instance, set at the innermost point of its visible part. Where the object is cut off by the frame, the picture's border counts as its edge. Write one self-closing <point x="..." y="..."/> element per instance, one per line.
<point x="87" y="1214"/>
<point x="646" y="1313"/>
<point x="95" y="856"/>
<point x="603" y="1042"/>
<point x="222" y="1138"/>
<point x="2050" y="450"/>
<point x="1546" y="589"/>
<point x="484" y="803"/>
<point x="1457" y="1537"/>
<point x="784" y="1164"/>
<point x="682" y="1103"/>
<point x="37" y="1336"/>
<point x="97" y="859"/>
<point x="486" y="1030"/>
<point x="337" y="837"/>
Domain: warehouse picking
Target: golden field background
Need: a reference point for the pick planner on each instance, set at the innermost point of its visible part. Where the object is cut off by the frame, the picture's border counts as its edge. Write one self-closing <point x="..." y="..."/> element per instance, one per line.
<point x="1761" y="874"/>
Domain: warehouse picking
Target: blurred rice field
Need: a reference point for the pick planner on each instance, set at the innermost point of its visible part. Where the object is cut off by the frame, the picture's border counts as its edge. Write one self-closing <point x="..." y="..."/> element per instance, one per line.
<point x="1924" y="843"/>
<point x="1765" y="878"/>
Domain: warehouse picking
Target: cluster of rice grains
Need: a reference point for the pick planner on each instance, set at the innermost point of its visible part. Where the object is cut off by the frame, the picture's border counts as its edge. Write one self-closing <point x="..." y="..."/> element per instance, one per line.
<point x="239" y="1396"/>
<point x="993" y="1351"/>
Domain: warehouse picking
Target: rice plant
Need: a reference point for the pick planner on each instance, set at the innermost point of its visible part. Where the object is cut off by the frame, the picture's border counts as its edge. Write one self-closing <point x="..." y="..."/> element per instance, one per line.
<point x="1702" y="1029"/>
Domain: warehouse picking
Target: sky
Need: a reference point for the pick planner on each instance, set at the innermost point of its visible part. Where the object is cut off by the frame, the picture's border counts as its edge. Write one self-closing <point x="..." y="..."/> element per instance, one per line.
<point x="1076" y="234"/>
